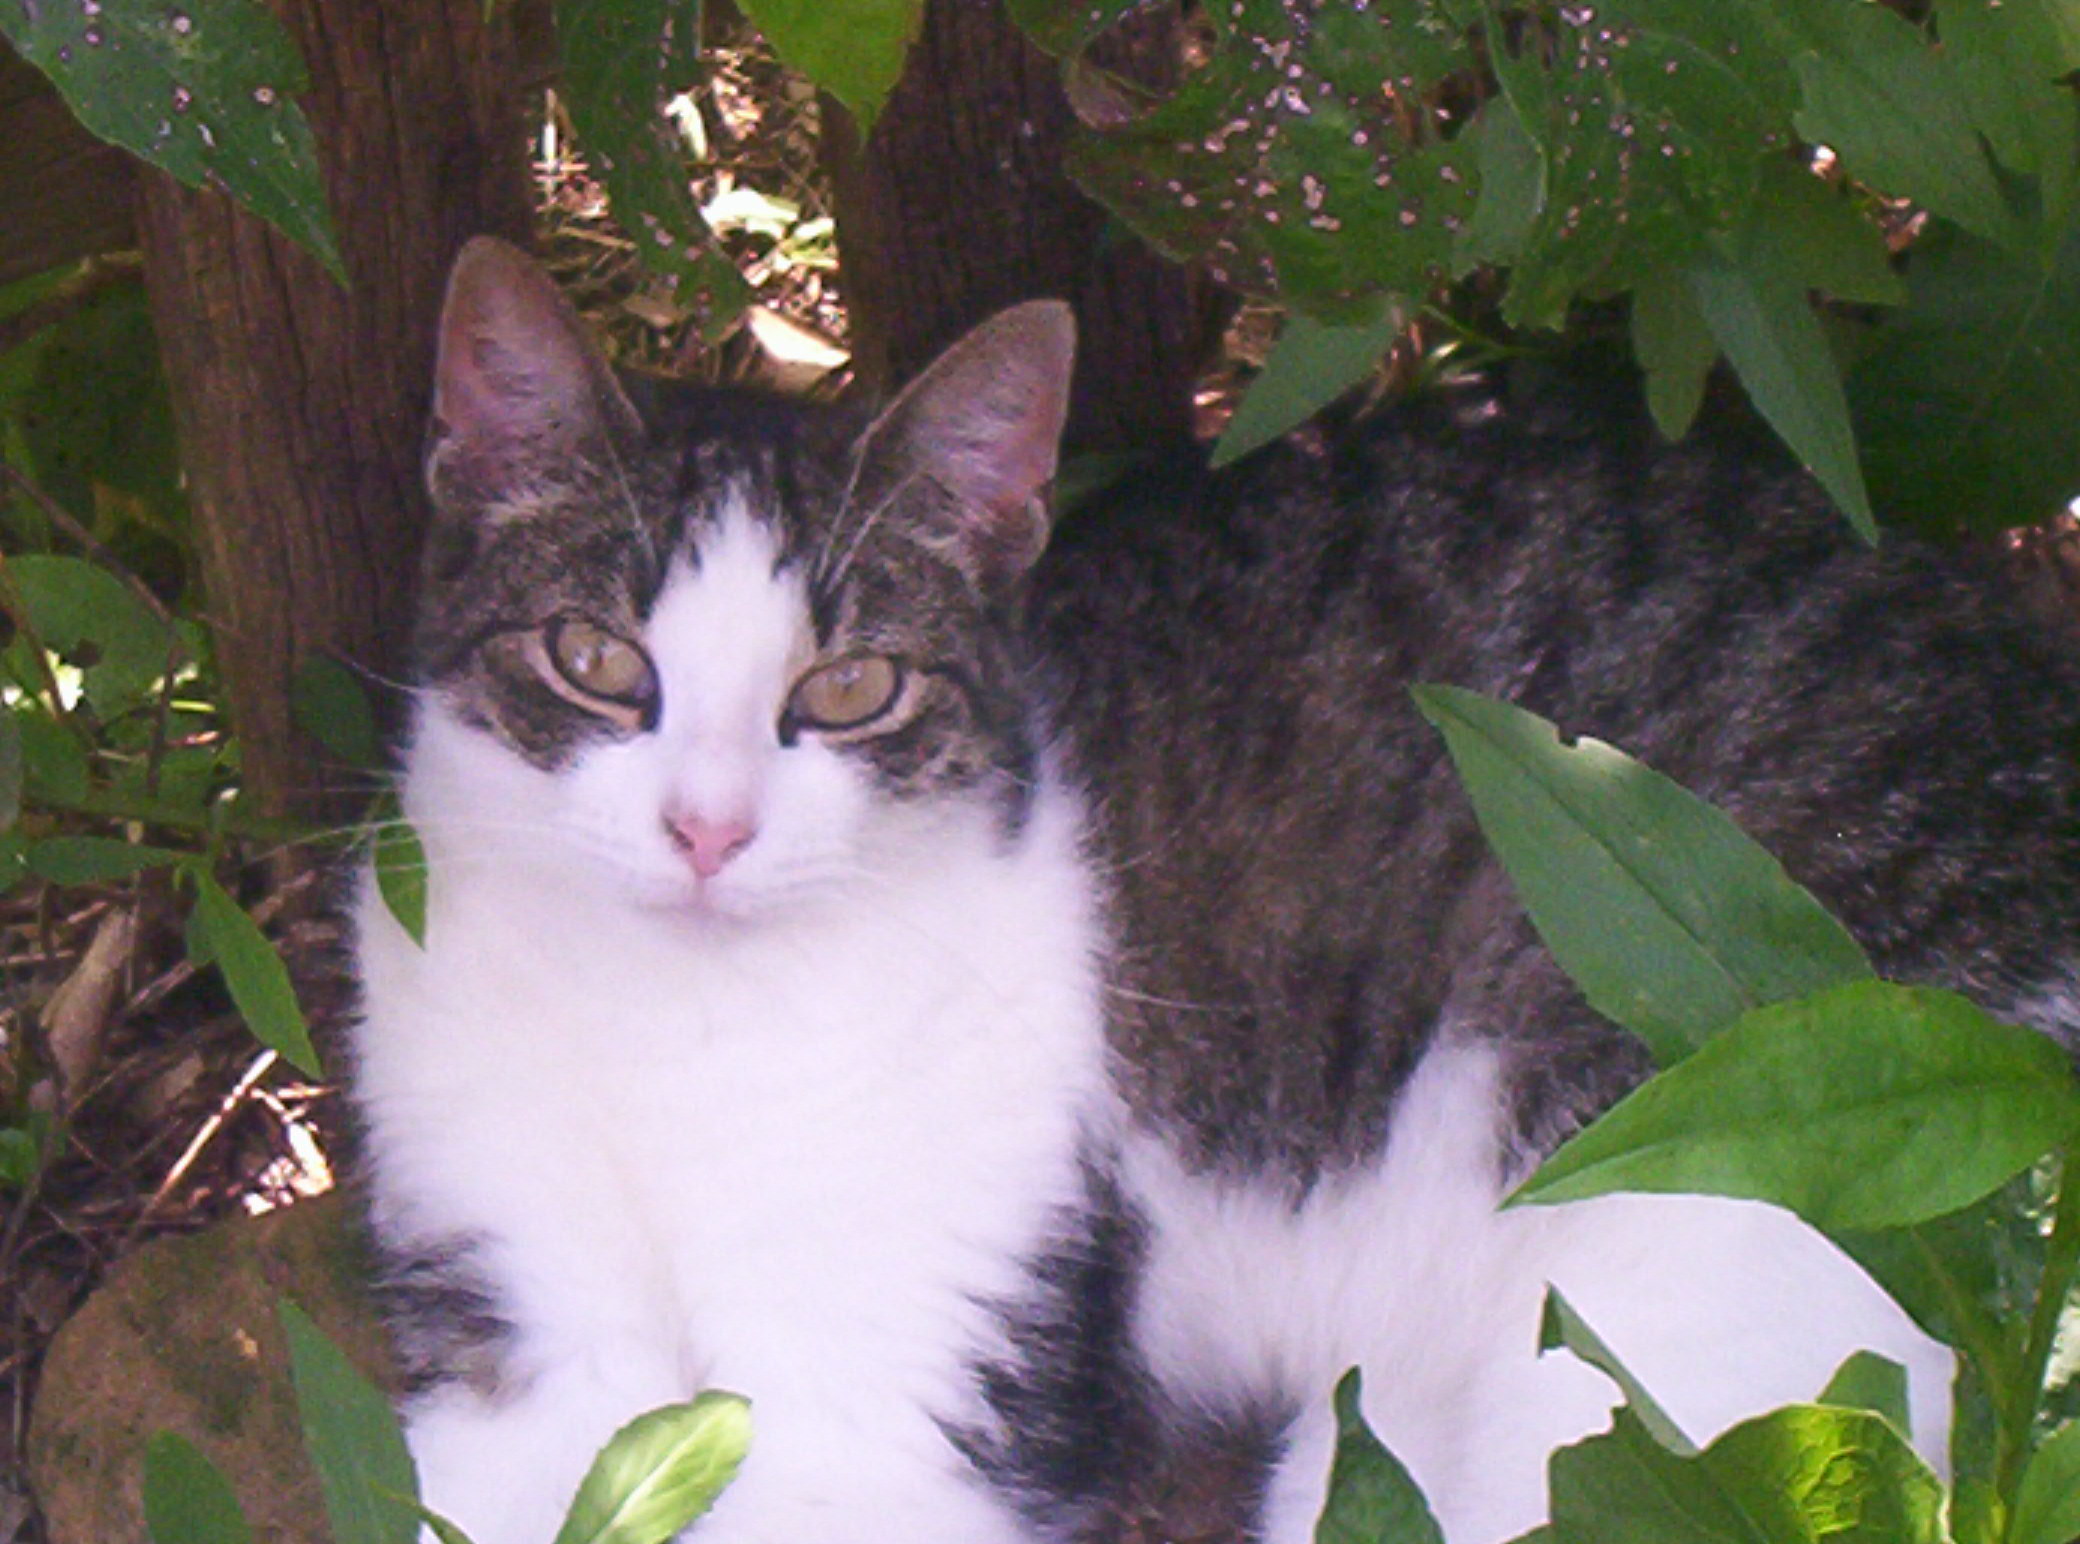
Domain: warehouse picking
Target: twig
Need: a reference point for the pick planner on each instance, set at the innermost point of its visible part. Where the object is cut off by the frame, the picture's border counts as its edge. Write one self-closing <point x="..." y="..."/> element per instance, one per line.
<point x="226" y="1108"/>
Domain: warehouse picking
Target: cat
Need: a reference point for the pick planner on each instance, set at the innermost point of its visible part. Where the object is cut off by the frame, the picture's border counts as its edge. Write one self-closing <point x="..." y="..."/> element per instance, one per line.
<point x="1029" y="1008"/>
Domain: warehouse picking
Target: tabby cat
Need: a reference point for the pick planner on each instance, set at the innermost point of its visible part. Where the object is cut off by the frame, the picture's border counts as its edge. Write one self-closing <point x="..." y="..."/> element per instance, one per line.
<point x="1031" y="1009"/>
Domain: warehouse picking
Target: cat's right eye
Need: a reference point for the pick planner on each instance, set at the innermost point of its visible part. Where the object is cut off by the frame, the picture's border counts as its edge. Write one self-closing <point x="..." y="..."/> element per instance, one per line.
<point x="597" y="670"/>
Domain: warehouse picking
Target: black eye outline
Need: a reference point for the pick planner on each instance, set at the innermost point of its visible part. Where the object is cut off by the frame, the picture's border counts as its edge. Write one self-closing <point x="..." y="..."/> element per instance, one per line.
<point x="798" y="715"/>
<point x="556" y="650"/>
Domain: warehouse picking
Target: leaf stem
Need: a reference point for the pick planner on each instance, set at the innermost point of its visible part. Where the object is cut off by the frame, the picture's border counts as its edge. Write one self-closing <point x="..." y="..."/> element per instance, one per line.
<point x="2061" y="1264"/>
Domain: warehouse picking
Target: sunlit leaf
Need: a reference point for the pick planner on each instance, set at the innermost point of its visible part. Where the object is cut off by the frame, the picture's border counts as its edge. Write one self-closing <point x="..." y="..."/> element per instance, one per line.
<point x="1868" y="1381"/>
<point x="1869" y="1105"/>
<point x="660" y="1472"/>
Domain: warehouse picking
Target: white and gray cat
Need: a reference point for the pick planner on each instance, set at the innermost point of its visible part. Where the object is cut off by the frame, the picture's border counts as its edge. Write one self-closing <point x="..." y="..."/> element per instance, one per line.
<point x="1031" y="1014"/>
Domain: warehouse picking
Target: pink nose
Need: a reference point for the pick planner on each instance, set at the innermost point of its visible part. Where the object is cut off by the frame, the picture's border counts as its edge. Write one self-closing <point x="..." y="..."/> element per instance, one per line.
<point x="709" y="845"/>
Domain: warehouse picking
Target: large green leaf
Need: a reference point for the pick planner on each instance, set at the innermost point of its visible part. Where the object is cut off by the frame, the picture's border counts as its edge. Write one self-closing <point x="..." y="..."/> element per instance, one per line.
<point x="219" y="930"/>
<point x="187" y="1500"/>
<point x="1869" y="1105"/>
<point x="10" y="769"/>
<point x="364" y="1468"/>
<point x="85" y="613"/>
<point x="89" y="860"/>
<point x="1373" y="1499"/>
<point x="204" y="92"/>
<point x="615" y="54"/>
<point x="1311" y="366"/>
<point x="2047" y="1503"/>
<point x="660" y="1472"/>
<point x="1761" y="320"/>
<point x="2010" y="60"/>
<point x="1561" y="1328"/>
<point x="1966" y="399"/>
<point x="1803" y="1475"/>
<point x="1670" y="919"/>
<point x="1891" y="107"/>
<point x="854" y="49"/>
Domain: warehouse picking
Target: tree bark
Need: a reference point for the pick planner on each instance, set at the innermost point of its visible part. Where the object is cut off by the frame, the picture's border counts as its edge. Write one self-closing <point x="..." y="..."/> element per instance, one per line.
<point x="958" y="206"/>
<point x="300" y="404"/>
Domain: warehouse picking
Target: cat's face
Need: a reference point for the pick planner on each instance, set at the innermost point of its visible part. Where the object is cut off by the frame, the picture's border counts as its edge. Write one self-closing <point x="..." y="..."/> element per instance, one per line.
<point x="739" y="657"/>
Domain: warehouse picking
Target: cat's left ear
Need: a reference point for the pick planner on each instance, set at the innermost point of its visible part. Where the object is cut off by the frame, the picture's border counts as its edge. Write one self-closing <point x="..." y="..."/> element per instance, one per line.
<point x="981" y="429"/>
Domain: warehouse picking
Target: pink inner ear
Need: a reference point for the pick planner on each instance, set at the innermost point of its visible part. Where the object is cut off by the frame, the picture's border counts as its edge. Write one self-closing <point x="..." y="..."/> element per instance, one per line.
<point x="515" y="364"/>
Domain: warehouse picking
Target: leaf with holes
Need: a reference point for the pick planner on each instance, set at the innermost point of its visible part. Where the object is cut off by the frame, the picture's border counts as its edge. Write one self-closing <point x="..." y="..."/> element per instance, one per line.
<point x="615" y="53"/>
<point x="203" y="92"/>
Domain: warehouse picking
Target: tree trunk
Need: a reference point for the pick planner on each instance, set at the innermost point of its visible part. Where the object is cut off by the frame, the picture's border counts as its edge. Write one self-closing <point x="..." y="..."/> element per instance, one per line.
<point x="958" y="206"/>
<point x="300" y="404"/>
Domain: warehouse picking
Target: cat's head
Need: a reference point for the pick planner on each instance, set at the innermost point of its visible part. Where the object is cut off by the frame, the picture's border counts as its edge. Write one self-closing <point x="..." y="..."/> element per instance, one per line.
<point x="723" y="653"/>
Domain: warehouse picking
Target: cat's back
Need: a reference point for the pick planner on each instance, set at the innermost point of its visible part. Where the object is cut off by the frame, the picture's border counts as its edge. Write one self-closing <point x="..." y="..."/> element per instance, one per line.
<point x="1304" y="896"/>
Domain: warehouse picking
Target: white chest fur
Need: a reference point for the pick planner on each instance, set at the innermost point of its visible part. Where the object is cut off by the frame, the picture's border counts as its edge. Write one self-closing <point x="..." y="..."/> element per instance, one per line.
<point x="798" y="1159"/>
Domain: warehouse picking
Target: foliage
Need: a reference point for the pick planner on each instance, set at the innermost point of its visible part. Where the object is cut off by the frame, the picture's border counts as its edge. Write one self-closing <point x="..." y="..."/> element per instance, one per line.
<point x="1881" y="1113"/>
<point x="654" y="1477"/>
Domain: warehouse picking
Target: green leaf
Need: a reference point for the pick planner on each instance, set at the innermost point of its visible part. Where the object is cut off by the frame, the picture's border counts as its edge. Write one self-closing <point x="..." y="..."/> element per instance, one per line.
<point x="1512" y="170"/>
<point x="93" y="860"/>
<point x="854" y="49"/>
<point x="2008" y="61"/>
<point x="1869" y="1105"/>
<point x="1829" y="1476"/>
<point x="614" y="57"/>
<point x="1868" y="1381"/>
<point x="1670" y="919"/>
<point x="54" y="763"/>
<point x="1675" y="349"/>
<point x="10" y="769"/>
<point x="660" y="1472"/>
<point x="1311" y="366"/>
<point x="22" y="1150"/>
<point x="187" y="1500"/>
<point x="401" y="876"/>
<point x="1803" y="1475"/>
<point x="1373" y="1499"/>
<point x="1890" y="106"/>
<point x="1965" y="401"/>
<point x="1561" y="1328"/>
<point x="86" y="614"/>
<point x="1768" y="333"/>
<point x="353" y="1439"/>
<point x="327" y="701"/>
<point x="2047" y="1502"/>
<point x="202" y="92"/>
<point x="222" y="932"/>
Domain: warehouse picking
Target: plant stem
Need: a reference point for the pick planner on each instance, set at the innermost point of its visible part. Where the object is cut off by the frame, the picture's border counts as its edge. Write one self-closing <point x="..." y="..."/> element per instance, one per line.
<point x="152" y="812"/>
<point x="2061" y="1262"/>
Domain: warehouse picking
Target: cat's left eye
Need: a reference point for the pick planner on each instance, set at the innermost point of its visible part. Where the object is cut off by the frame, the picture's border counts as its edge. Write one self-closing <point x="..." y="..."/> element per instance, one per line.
<point x="599" y="665"/>
<point x="847" y="693"/>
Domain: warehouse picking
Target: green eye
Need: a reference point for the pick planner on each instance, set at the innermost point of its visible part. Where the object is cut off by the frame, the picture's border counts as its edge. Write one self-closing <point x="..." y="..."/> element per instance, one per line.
<point x="846" y="693"/>
<point x="596" y="664"/>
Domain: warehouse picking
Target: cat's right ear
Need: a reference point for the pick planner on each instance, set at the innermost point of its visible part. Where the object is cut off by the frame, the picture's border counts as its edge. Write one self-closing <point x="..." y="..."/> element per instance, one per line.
<point x="519" y="388"/>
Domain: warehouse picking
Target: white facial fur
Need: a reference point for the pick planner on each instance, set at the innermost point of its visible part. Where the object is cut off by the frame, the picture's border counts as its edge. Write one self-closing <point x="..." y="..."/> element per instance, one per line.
<point x="727" y="636"/>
